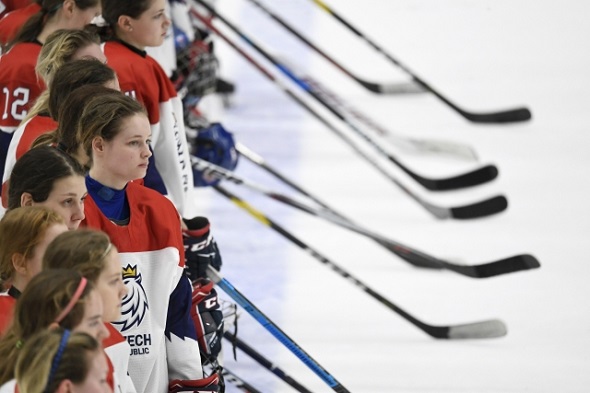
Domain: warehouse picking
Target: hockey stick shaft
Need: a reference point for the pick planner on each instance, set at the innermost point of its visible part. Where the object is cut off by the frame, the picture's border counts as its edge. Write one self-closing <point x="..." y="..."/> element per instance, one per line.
<point x="238" y="382"/>
<point x="371" y="86"/>
<point x="415" y="257"/>
<point x="264" y="362"/>
<point x="269" y="325"/>
<point x="483" y="208"/>
<point x="507" y="116"/>
<point x="485" y="329"/>
<point x="476" y="177"/>
<point x="424" y="145"/>
<point x="326" y="214"/>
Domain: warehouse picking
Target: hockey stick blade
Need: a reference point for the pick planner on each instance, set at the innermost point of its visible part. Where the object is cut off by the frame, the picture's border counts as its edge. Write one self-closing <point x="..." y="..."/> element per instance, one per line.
<point x="503" y="266"/>
<point x="469" y="179"/>
<point x="508" y="116"/>
<point x="484" y="208"/>
<point x="486" y="329"/>
<point x="392" y="88"/>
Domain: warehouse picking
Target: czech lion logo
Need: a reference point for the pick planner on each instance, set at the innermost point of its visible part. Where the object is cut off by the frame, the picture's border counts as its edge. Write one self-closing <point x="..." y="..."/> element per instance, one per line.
<point x="135" y="303"/>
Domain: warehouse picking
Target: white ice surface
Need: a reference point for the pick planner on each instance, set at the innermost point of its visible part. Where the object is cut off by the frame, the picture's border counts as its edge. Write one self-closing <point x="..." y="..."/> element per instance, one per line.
<point x="485" y="56"/>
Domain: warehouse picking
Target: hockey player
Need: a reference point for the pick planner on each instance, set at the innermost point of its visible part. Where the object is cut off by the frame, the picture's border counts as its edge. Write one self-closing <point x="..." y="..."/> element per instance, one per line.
<point x="53" y="298"/>
<point x="47" y="177"/>
<point x="145" y="226"/>
<point x="75" y="74"/>
<point x="24" y="236"/>
<point x="18" y="80"/>
<point x="91" y="253"/>
<point x="57" y="361"/>
<point x="135" y="26"/>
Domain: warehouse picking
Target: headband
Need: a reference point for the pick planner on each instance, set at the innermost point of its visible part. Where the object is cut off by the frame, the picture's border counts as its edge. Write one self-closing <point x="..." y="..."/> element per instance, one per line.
<point x="72" y="302"/>
<point x="57" y="357"/>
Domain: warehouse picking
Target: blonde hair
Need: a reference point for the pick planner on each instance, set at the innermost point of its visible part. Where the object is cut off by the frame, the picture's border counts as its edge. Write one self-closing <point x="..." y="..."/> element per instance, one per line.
<point x="52" y="356"/>
<point x="21" y="229"/>
<point x="59" y="48"/>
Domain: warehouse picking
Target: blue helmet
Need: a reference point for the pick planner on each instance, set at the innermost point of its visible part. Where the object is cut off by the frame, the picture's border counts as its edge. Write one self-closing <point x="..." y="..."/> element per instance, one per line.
<point x="216" y="145"/>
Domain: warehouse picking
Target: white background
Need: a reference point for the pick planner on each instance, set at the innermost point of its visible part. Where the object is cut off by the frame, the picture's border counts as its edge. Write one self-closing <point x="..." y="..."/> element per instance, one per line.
<point x="485" y="56"/>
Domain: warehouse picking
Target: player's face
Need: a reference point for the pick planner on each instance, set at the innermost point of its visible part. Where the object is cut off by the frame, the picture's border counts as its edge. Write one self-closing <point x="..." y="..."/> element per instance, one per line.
<point x="67" y="199"/>
<point x="111" y="287"/>
<point x="34" y="264"/>
<point x="126" y="156"/>
<point x="91" y="51"/>
<point x="151" y="27"/>
<point x="92" y="323"/>
<point x="96" y="379"/>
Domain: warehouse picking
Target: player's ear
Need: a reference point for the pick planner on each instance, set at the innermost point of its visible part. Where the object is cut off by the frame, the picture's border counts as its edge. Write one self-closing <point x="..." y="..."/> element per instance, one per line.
<point x="125" y="23"/>
<point x="65" y="386"/>
<point x="26" y="199"/>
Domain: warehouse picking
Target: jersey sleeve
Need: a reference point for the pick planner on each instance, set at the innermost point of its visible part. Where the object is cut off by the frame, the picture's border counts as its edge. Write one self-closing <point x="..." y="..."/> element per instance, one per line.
<point x="182" y="348"/>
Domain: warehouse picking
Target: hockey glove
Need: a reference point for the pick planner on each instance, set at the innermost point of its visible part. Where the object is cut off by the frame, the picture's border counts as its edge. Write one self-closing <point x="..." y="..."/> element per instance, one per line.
<point x="200" y="249"/>
<point x="210" y="384"/>
<point x="208" y="318"/>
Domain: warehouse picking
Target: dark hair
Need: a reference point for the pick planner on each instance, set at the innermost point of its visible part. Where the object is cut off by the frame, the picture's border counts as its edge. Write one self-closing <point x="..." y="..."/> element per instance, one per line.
<point x="36" y="172"/>
<point x="113" y="9"/>
<point x="34" y="25"/>
<point x="74" y="75"/>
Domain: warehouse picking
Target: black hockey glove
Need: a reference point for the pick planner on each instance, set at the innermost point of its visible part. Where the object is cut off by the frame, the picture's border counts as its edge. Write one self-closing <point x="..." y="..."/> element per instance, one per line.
<point x="200" y="249"/>
<point x="208" y="318"/>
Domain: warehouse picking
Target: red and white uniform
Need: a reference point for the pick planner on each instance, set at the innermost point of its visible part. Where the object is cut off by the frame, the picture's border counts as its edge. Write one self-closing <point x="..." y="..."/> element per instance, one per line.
<point x="11" y="22"/>
<point x="141" y="77"/>
<point x="19" y="83"/>
<point x="19" y="88"/>
<point x="21" y="142"/>
<point x="156" y="317"/>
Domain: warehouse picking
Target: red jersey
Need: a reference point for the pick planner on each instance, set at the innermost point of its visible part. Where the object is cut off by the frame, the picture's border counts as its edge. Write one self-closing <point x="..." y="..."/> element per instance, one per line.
<point x="19" y="83"/>
<point x="11" y="22"/>
<point x="11" y="5"/>
<point x="7" y="303"/>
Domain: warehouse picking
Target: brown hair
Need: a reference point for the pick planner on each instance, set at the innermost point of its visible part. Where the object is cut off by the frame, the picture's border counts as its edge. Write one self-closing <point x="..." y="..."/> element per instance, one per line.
<point x="35" y="24"/>
<point x="48" y="293"/>
<point x="83" y="250"/>
<point x="21" y="230"/>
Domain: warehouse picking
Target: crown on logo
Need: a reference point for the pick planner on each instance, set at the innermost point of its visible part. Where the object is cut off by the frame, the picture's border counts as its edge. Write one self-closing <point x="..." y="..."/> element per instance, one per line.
<point x="129" y="271"/>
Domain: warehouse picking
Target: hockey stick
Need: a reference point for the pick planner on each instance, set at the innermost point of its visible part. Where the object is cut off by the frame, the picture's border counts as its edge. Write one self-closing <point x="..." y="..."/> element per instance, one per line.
<point x="414" y="257"/>
<point x="477" y="330"/>
<point x="390" y="88"/>
<point x="478" y="176"/>
<point x="424" y="145"/>
<point x="480" y="209"/>
<point x="507" y="116"/>
<point x="238" y="382"/>
<point x="264" y="362"/>
<point x="431" y="146"/>
<point x="269" y="325"/>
